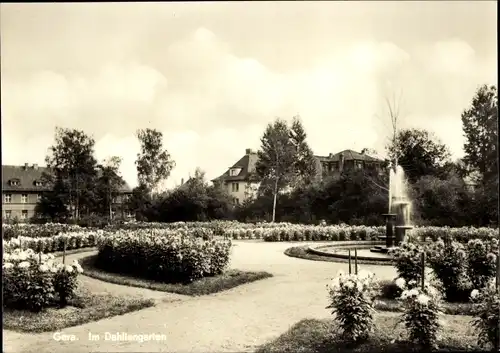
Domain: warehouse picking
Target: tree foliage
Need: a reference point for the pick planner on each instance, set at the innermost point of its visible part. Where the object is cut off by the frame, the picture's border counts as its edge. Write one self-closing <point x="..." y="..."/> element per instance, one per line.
<point x="419" y="152"/>
<point x="109" y="184"/>
<point x="153" y="163"/>
<point x="73" y="169"/>
<point x="480" y="126"/>
<point x="276" y="159"/>
<point x="305" y="163"/>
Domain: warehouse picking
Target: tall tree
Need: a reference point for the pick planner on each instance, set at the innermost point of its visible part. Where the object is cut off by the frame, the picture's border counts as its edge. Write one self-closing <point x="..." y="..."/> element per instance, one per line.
<point x="419" y="153"/>
<point x="72" y="164"/>
<point x="153" y="163"/>
<point x="305" y="163"/>
<point x="480" y="126"/>
<point x="109" y="183"/>
<point x="276" y="159"/>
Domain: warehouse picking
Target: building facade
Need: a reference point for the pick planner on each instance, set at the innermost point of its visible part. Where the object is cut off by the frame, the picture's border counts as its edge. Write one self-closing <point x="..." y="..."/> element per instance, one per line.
<point x="22" y="188"/>
<point x="241" y="181"/>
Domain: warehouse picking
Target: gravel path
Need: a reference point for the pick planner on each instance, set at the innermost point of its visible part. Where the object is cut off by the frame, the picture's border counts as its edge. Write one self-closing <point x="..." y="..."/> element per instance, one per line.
<point x="235" y="320"/>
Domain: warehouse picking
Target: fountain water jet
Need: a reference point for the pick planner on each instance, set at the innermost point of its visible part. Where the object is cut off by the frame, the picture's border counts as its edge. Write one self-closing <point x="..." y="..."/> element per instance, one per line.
<point x="398" y="217"/>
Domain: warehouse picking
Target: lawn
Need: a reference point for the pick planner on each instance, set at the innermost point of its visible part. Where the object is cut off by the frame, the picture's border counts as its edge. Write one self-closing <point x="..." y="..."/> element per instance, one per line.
<point x="207" y="285"/>
<point x="84" y="307"/>
<point x="321" y="336"/>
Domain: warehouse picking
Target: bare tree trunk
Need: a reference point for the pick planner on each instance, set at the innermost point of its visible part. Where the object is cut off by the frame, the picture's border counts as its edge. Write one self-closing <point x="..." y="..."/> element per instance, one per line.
<point x="275" y="195"/>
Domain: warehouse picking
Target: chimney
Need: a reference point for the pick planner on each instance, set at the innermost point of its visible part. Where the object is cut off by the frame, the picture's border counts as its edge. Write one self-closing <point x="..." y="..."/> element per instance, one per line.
<point x="341" y="164"/>
<point x="182" y="181"/>
<point x="35" y="166"/>
<point x="26" y="166"/>
<point x="248" y="151"/>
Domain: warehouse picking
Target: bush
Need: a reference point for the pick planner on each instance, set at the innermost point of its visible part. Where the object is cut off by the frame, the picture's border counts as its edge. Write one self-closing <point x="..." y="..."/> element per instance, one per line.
<point x="421" y="314"/>
<point x="448" y="260"/>
<point x="162" y="255"/>
<point x="10" y="231"/>
<point x="351" y="301"/>
<point x="73" y="240"/>
<point x="481" y="262"/>
<point x="32" y="281"/>
<point x="487" y="316"/>
<point x="408" y="261"/>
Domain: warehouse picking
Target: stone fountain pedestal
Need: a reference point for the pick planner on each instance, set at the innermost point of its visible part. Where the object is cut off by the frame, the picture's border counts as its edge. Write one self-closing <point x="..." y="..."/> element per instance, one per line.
<point x="396" y="226"/>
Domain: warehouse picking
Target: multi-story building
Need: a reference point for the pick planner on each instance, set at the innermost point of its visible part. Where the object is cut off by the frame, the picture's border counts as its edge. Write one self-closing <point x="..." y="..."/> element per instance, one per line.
<point x="242" y="182"/>
<point x="346" y="160"/>
<point x="22" y="188"/>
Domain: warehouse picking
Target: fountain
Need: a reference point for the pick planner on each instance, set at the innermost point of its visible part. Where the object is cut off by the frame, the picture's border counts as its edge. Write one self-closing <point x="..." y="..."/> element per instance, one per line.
<point x="397" y="220"/>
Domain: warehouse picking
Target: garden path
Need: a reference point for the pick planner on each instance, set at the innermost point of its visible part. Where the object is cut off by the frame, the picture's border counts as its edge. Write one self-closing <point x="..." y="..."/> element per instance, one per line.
<point x="238" y="319"/>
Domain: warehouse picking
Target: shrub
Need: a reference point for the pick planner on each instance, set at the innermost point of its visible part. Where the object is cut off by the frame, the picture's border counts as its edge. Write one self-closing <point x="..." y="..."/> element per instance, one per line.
<point x="421" y="314"/>
<point x="408" y="261"/>
<point x="73" y="240"/>
<point x="30" y="280"/>
<point x="487" y="315"/>
<point x="65" y="281"/>
<point x="162" y="255"/>
<point x="481" y="262"/>
<point x="351" y="301"/>
<point x="10" y="231"/>
<point x="448" y="260"/>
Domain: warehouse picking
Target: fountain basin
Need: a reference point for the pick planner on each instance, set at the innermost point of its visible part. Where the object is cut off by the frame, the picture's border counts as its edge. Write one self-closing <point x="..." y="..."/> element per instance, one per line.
<point x="341" y="252"/>
<point x="404" y="227"/>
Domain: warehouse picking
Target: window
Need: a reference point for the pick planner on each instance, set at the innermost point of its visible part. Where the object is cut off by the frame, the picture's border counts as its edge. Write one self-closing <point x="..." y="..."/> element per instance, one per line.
<point x="14" y="182"/>
<point x="24" y="198"/>
<point x="24" y="214"/>
<point x="236" y="201"/>
<point x="38" y="183"/>
<point x="8" y="214"/>
<point x="8" y="198"/>
<point x="235" y="187"/>
<point x="38" y="197"/>
<point x="129" y="214"/>
<point x="113" y="213"/>
<point x="234" y="172"/>
<point x="114" y="200"/>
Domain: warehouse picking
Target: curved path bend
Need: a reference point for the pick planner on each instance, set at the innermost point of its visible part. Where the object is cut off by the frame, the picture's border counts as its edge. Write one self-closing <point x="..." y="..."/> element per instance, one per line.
<point x="238" y="319"/>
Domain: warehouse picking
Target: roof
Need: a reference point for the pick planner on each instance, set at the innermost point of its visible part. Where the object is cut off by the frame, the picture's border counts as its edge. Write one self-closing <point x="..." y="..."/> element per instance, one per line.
<point x="248" y="161"/>
<point x="349" y="155"/>
<point x="247" y="172"/>
<point x="27" y="176"/>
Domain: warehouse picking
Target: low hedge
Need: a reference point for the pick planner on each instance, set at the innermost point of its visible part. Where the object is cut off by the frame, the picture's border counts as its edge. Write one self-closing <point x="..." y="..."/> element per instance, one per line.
<point x="162" y="255"/>
<point x="73" y="240"/>
<point x="10" y="231"/>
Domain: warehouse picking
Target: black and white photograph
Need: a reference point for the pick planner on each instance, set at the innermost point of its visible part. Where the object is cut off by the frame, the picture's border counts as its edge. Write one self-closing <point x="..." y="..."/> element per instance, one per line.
<point x="250" y="176"/>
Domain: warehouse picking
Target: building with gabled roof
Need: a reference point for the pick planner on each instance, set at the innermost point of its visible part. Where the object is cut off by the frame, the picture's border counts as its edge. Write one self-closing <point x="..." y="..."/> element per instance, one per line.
<point x="23" y="186"/>
<point x="241" y="180"/>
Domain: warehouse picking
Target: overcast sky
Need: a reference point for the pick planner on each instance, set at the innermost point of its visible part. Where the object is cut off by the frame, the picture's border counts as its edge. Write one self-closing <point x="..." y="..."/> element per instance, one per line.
<point x="210" y="76"/>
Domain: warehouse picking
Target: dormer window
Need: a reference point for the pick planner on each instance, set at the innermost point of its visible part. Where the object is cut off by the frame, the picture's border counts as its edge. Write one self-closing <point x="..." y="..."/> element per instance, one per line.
<point x="38" y="183"/>
<point x="234" y="171"/>
<point x="14" y="182"/>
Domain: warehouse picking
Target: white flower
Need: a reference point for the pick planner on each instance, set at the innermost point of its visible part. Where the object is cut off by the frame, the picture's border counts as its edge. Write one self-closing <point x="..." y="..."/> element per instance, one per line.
<point x="24" y="264"/>
<point x="349" y="284"/>
<point x="6" y="257"/>
<point x="44" y="257"/>
<point x="69" y="269"/>
<point x="43" y="268"/>
<point x="22" y="256"/>
<point x="79" y="268"/>
<point x="400" y="282"/>
<point x="474" y="294"/>
<point x="14" y="257"/>
<point x="50" y="256"/>
<point x="423" y="299"/>
<point x="7" y="265"/>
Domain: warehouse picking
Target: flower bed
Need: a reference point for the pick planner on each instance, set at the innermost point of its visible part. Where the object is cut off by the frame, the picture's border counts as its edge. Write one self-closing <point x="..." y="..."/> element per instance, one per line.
<point x="35" y="281"/>
<point x="73" y="240"/>
<point x="10" y="231"/>
<point x="162" y="255"/>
